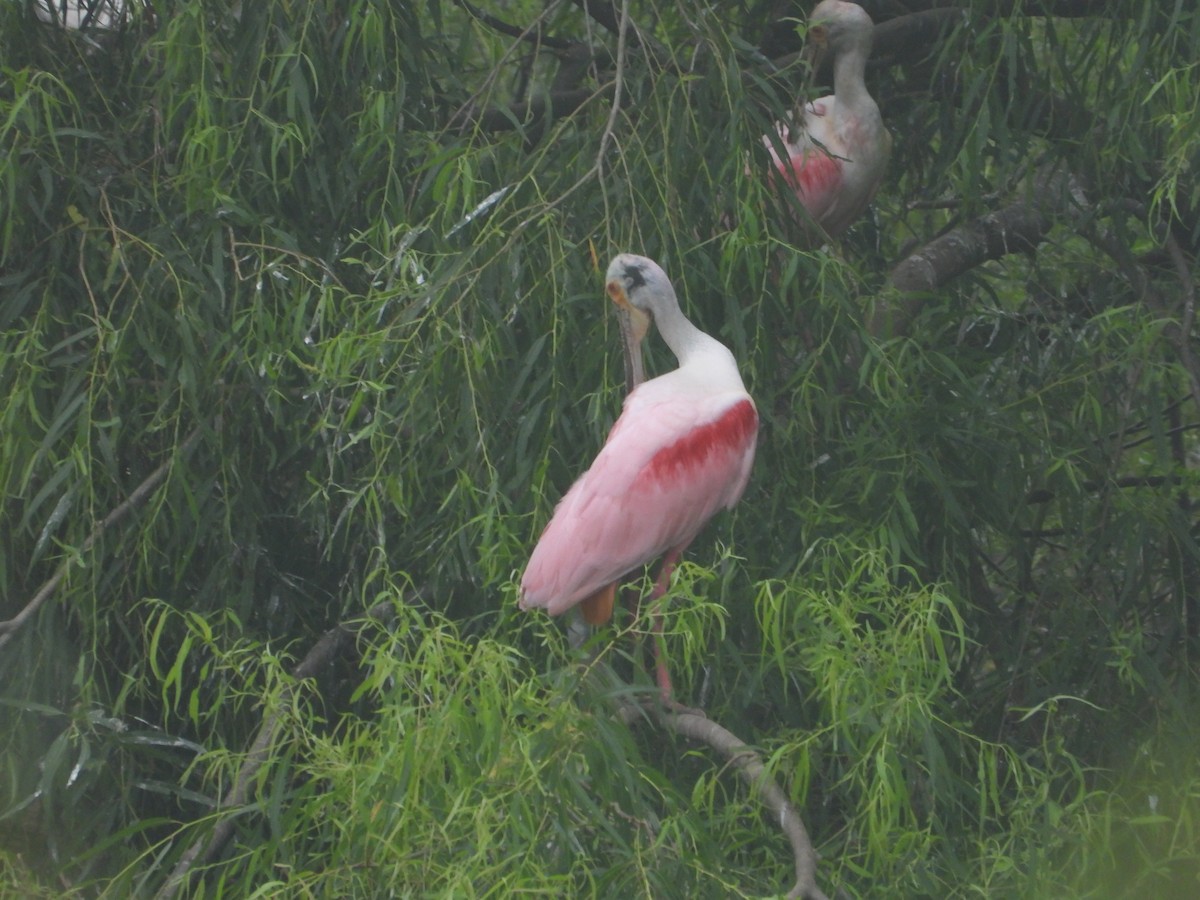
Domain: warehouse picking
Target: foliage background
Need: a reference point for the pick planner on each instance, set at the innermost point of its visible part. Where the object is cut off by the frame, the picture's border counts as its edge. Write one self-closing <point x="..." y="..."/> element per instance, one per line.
<point x="310" y="275"/>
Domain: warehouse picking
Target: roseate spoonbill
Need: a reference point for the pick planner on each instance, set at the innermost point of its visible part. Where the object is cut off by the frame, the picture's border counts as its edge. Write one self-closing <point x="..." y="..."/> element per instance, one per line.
<point x="680" y="451"/>
<point x="835" y="156"/>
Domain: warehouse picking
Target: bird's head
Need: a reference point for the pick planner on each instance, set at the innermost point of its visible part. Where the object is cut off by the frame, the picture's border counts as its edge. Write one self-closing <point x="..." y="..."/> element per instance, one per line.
<point x="835" y="26"/>
<point x="636" y="285"/>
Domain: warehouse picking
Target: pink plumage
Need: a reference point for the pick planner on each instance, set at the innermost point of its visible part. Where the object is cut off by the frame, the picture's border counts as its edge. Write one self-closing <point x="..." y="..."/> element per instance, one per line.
<point x="680" y="452"/>
<point x="834" y="157"/>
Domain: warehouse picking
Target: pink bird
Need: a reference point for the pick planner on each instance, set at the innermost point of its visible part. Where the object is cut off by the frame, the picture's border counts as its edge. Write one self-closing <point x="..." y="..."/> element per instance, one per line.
<point x="837" y="155"/>
<point x="680" y="452"/>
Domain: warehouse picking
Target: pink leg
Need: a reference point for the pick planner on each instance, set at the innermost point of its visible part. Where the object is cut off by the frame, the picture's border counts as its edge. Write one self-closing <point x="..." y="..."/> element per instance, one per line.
<point x="660" y="587"/>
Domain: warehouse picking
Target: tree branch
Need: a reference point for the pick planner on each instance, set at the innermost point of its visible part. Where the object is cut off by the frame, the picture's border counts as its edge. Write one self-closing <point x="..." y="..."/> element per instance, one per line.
<point x="694" y="725"/>
<point x="750" y="767"/>
<point x="1045" y="495"/>
<point x="1019" y="227"/>
<point x="139" y="496"/>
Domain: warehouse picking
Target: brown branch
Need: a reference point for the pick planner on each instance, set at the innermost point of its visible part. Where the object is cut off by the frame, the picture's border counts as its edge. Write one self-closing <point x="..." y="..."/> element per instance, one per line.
<point x="1019" y="227"/>
<point x="694" y="725"/>
<point x="204" y="849"/>
<point x="749" y="766"/>
<point x="139" y="496"/>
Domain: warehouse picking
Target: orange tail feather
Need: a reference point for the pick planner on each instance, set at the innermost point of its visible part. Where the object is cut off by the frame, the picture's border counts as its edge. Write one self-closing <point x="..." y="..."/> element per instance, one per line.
<point x="598" y="608"/>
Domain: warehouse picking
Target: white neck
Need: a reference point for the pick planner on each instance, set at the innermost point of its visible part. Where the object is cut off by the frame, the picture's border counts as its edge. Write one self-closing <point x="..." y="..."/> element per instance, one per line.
<point x="676" y="329"/>
<point x="849" y="74"/>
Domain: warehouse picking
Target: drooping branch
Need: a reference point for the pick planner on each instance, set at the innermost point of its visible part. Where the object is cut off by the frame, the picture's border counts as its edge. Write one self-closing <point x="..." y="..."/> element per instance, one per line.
<point x="138" y="497"/>
<point x="324" y="650"/>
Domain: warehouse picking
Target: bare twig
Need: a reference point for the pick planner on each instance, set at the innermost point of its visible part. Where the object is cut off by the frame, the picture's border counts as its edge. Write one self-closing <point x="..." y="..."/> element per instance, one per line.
<point x="139" y="496"/>
<point x="606" y="136"/>
<point x="468" y="112"/>
<point x="203" y="849"/>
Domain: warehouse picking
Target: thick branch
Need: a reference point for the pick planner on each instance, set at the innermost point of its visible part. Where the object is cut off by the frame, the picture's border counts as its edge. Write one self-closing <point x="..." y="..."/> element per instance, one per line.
<point x="1019" y="227"/>
<point x="139" y="496"/>
<point x="330" y="644"/>
<point x="750" y="766"/>
<point x="694" y="725"/>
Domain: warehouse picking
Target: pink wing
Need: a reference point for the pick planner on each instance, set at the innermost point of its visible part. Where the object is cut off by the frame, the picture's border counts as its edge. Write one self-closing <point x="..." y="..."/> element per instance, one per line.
<point x="813" y="167"/>
<point x="817" y="179"/>
<point x="664" y="471"/>
<point x="836" y="163"/>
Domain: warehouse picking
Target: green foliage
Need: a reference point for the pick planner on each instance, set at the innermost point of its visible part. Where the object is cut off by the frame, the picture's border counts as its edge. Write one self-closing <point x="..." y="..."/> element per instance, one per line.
<point x="265" y="262"/>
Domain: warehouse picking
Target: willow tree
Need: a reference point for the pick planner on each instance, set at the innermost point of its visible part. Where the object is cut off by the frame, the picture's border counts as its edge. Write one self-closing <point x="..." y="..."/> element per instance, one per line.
<point x="303" y="335"/>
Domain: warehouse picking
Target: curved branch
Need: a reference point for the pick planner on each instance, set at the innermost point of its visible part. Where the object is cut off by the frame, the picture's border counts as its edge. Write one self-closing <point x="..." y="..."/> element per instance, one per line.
<point x="694" y="725"/>
<point x="750" y="767"/>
